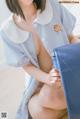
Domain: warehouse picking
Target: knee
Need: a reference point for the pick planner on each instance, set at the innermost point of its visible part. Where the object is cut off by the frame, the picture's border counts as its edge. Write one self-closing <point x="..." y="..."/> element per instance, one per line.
<point x="51" y="98"/>
<point x="35" y="109"/>
<point x="39" y="112"/>
<point x="44" y="95"/>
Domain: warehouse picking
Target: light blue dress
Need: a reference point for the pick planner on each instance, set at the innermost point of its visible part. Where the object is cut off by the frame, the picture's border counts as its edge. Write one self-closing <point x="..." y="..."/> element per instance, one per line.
<point x="20" y="49"/>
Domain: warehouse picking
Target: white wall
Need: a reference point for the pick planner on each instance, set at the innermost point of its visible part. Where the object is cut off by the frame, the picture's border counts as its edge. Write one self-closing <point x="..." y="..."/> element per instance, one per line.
<point x="4" y="12"/>
<point x="75" y="10"/>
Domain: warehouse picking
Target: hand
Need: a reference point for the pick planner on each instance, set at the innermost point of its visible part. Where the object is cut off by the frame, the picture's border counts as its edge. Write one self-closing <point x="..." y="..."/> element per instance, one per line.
<point x="54" y="78"/>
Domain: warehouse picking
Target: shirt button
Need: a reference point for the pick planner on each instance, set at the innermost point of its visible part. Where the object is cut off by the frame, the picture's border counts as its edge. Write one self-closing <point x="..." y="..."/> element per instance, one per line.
<point x="57" y="27"/>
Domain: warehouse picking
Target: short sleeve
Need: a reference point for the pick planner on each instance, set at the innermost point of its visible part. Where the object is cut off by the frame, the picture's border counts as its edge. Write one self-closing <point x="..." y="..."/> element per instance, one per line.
<point x="14" y="55"/>
<point x="67" y="19"/>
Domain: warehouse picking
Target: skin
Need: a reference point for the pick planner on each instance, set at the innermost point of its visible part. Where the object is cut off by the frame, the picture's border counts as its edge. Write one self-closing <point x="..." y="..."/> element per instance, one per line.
<point x="45" y="107"/>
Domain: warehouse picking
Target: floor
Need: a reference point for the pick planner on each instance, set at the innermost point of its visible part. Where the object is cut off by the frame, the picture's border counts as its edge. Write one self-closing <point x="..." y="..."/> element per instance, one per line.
<point x="11" y="87"/>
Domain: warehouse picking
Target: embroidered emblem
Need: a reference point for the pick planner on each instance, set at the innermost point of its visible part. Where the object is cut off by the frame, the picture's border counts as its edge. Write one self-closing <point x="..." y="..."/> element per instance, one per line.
<point x="57" y="27"/>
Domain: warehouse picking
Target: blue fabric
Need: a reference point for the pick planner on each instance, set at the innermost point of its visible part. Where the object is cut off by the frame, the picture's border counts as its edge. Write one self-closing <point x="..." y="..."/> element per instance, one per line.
<point x="67" y="60"/>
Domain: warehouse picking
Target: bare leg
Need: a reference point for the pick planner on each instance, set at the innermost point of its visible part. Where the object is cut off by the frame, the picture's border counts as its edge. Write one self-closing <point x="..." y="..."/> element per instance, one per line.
<point x="49" y="103"/>
<point x="64" y="115"/>
<point x="52" y="97"/>
<point x="39" y="112"/>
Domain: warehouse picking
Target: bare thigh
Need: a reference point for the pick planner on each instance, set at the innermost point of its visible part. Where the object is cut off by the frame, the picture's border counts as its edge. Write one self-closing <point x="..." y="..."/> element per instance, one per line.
<point x="39" y="112"/>
<point x="49" y="103"/>
<point x="52" y="97"/>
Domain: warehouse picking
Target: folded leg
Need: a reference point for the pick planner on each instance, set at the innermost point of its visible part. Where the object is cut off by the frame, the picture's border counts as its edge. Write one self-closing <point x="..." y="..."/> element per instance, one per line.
<point x="52" y="97"/>
<point x="39" y="112"/>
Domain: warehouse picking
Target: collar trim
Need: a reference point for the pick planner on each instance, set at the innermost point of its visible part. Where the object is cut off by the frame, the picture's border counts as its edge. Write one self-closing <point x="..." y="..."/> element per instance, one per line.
<point x="14" y="33"/>
<point x="46" y="16"/>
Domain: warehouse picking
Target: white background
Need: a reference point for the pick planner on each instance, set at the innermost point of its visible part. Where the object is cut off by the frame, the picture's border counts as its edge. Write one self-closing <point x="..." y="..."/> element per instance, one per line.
<point x="4" y="12"/>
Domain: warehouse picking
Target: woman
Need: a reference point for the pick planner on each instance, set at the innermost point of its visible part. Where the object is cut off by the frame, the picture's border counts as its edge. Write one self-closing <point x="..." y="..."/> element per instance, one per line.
<point x="34" y="29"/>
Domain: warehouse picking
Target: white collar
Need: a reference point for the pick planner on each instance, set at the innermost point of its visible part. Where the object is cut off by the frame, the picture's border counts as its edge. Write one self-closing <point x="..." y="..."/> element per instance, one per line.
<point x="17" y="35"/>
<point x="46" y="16"/>
<point x="14" y="33"/>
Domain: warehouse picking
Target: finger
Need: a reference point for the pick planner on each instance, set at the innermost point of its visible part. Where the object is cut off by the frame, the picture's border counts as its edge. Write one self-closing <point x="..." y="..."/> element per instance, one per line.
<point x="53" y="79"/>
<point x="54" y="71"/>
<point x="52" y="82"/>
<point x="55" y="83"/>
<point x="58" y="79"/>
<point x="58" y="83"/>
<point x="54" y="74"/>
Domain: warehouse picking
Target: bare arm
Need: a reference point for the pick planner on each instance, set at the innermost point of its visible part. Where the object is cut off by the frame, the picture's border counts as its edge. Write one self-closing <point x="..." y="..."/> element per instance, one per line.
<point x="37" y="73"/>
<point x="44" y="60"/>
